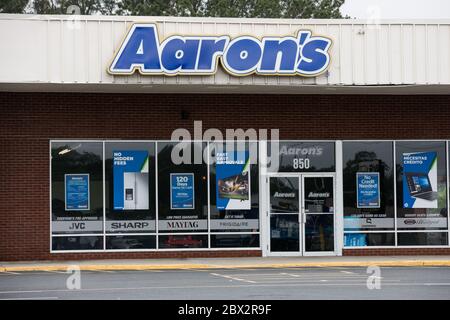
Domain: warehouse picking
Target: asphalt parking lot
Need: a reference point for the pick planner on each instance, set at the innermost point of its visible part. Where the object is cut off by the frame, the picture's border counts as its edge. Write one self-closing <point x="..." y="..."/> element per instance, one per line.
<point x="231" y="284"/>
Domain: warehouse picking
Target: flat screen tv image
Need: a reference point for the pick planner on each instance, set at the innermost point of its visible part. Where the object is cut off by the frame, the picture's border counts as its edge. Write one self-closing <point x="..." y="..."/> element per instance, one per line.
<point x="234" y="187"/>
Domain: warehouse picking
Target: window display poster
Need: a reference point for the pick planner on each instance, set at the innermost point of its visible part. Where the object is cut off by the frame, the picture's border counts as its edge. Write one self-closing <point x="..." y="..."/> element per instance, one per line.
<point x="420" y="180"/>
<point x="233" y="180"/>
<point x="368" y="189"/>
<point x="130" y="179"/>
<point x="355" y="240"/>
<point x="76" y="191"/>
<point x="182" y="191"/>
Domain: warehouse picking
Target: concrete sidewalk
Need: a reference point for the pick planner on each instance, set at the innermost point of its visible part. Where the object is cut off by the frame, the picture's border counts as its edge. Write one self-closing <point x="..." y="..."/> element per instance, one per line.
<point x="224" y="263"/>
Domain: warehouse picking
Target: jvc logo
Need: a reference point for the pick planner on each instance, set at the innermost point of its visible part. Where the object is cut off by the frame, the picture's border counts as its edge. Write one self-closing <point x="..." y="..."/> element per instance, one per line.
<point x="77" y="226"/>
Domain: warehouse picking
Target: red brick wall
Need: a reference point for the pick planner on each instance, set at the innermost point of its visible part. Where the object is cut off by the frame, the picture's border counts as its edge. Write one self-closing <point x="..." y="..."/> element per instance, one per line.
<point x="29" y="120"/>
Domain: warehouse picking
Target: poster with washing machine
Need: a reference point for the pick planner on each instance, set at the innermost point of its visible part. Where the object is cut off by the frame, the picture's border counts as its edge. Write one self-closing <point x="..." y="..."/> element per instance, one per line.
<point x="233" y="180"/>
<point x="420" y="180"/>
<point x="130" y="178"/>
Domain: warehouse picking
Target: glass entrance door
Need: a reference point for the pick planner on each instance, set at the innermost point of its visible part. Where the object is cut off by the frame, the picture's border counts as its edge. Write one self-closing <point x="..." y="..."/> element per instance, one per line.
<point x="318" y="215"/>
<point x="284" y="215"/>
<point x="301" y="215"/>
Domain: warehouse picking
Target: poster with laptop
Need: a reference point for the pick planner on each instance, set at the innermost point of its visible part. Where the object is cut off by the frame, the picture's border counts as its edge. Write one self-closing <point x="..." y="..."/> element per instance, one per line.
<point x="130" y="178"/>
<point x="368" y="189"/>
<point x="420" y="180"/>
<point x="182" y="191"/>
<point x="233" y="180"/>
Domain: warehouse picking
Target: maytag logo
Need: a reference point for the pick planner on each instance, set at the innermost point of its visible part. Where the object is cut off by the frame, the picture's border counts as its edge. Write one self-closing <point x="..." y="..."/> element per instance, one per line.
<point x="304" y="54"/>
<point x="284" y="195"/>
<point x="298" y="151"/>
<point x="182" y="225"/>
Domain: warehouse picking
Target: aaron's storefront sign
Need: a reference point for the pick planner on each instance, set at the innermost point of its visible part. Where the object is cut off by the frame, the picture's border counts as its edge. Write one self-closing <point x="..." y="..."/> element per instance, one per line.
<point x="305" y="55"/>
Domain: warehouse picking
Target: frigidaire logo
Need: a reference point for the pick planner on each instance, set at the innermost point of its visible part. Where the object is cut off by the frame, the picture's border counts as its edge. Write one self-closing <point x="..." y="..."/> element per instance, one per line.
<point x="306" y="54"/>
<point x="284" y="195"/>
<point x="295" y="151"/>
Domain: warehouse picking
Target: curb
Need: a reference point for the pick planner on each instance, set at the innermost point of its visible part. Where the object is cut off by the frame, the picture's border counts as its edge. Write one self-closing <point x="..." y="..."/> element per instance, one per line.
<point x="119" y="267"/>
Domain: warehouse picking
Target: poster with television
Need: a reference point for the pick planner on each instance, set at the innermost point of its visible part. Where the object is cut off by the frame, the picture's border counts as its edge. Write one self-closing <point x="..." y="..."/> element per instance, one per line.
<point x="420" y="180"/>
<point x="233" y="180"/>
<point x="130" y="178"/>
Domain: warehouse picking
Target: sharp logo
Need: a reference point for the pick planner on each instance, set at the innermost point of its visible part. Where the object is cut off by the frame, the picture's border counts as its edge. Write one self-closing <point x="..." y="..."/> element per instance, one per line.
<point x="129" y="225"/>
<point x="284" y="195"/>
<point x="142" y="50"/>
<point x="294" y="151"/>
<point x="319" y="195"/>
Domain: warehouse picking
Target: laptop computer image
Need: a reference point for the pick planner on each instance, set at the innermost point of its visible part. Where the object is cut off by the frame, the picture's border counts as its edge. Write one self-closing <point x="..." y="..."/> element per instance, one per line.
<point x="419" y="186"/>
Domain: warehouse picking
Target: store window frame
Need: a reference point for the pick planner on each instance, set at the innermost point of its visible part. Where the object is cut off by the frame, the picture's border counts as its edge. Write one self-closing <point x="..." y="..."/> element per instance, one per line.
<point x="156" y="234"/>
<point x="396" y="231"/>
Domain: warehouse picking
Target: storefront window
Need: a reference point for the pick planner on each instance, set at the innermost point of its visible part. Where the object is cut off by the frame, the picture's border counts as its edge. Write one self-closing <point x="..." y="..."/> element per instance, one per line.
<point x="134" y="242"/>
<point x="130" y="194"/>
<point x="369" y="239"/>
<point x="368" y="185"/>
<point x="292" y="156"/>
<point x="234" y="187"/>
<point x="182" y="189"/>
<point x="183" y="241"/>
<point x="421" y="190"/>
<point x="77" y="194"/>
<point x="235" y="241"/>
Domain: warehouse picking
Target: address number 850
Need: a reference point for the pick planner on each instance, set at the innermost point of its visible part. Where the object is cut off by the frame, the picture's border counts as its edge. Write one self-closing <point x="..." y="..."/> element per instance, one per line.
<point x="300" y="163"/>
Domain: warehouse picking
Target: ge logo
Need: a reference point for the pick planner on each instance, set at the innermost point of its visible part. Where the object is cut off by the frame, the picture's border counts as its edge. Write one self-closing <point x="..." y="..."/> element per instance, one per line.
<point x="405" y="205"/>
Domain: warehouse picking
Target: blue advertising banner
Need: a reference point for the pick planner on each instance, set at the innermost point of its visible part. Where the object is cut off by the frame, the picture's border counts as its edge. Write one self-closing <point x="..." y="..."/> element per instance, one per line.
<point x="368" y="189"/>
<point x="181" y="191"/>
<point x="77" y="191"/>
<point x="233" y="180"/>
<point x="130" y="177"/>
<point x="420" y="180"/>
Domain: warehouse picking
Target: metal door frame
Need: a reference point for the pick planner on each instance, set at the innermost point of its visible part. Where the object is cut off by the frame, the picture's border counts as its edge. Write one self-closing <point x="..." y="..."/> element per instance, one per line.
<point x="302" y="215"/>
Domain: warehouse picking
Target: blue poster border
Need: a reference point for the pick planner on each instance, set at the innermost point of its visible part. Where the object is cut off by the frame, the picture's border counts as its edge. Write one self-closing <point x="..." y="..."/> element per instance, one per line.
<point x="88" y="191"/>
<point x="357" y="191"/>
<point x="193" y="190"/>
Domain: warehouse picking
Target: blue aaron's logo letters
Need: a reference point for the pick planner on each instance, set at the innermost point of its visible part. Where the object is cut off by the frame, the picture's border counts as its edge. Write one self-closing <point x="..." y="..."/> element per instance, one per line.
<point x="305" y="55"/>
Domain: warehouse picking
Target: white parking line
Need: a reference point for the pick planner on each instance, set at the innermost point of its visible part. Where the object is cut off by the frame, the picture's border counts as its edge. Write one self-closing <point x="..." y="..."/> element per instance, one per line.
<point x="9" y="272"/>
<point x="348" y="272"/>
<point x="249" y="285"/>
<point x="232" y="278"/>
<point x="32" y="298"/>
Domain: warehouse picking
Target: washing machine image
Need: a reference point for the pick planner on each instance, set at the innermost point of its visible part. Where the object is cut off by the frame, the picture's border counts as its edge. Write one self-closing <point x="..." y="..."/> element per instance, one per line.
<point x="135" y="185"/>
